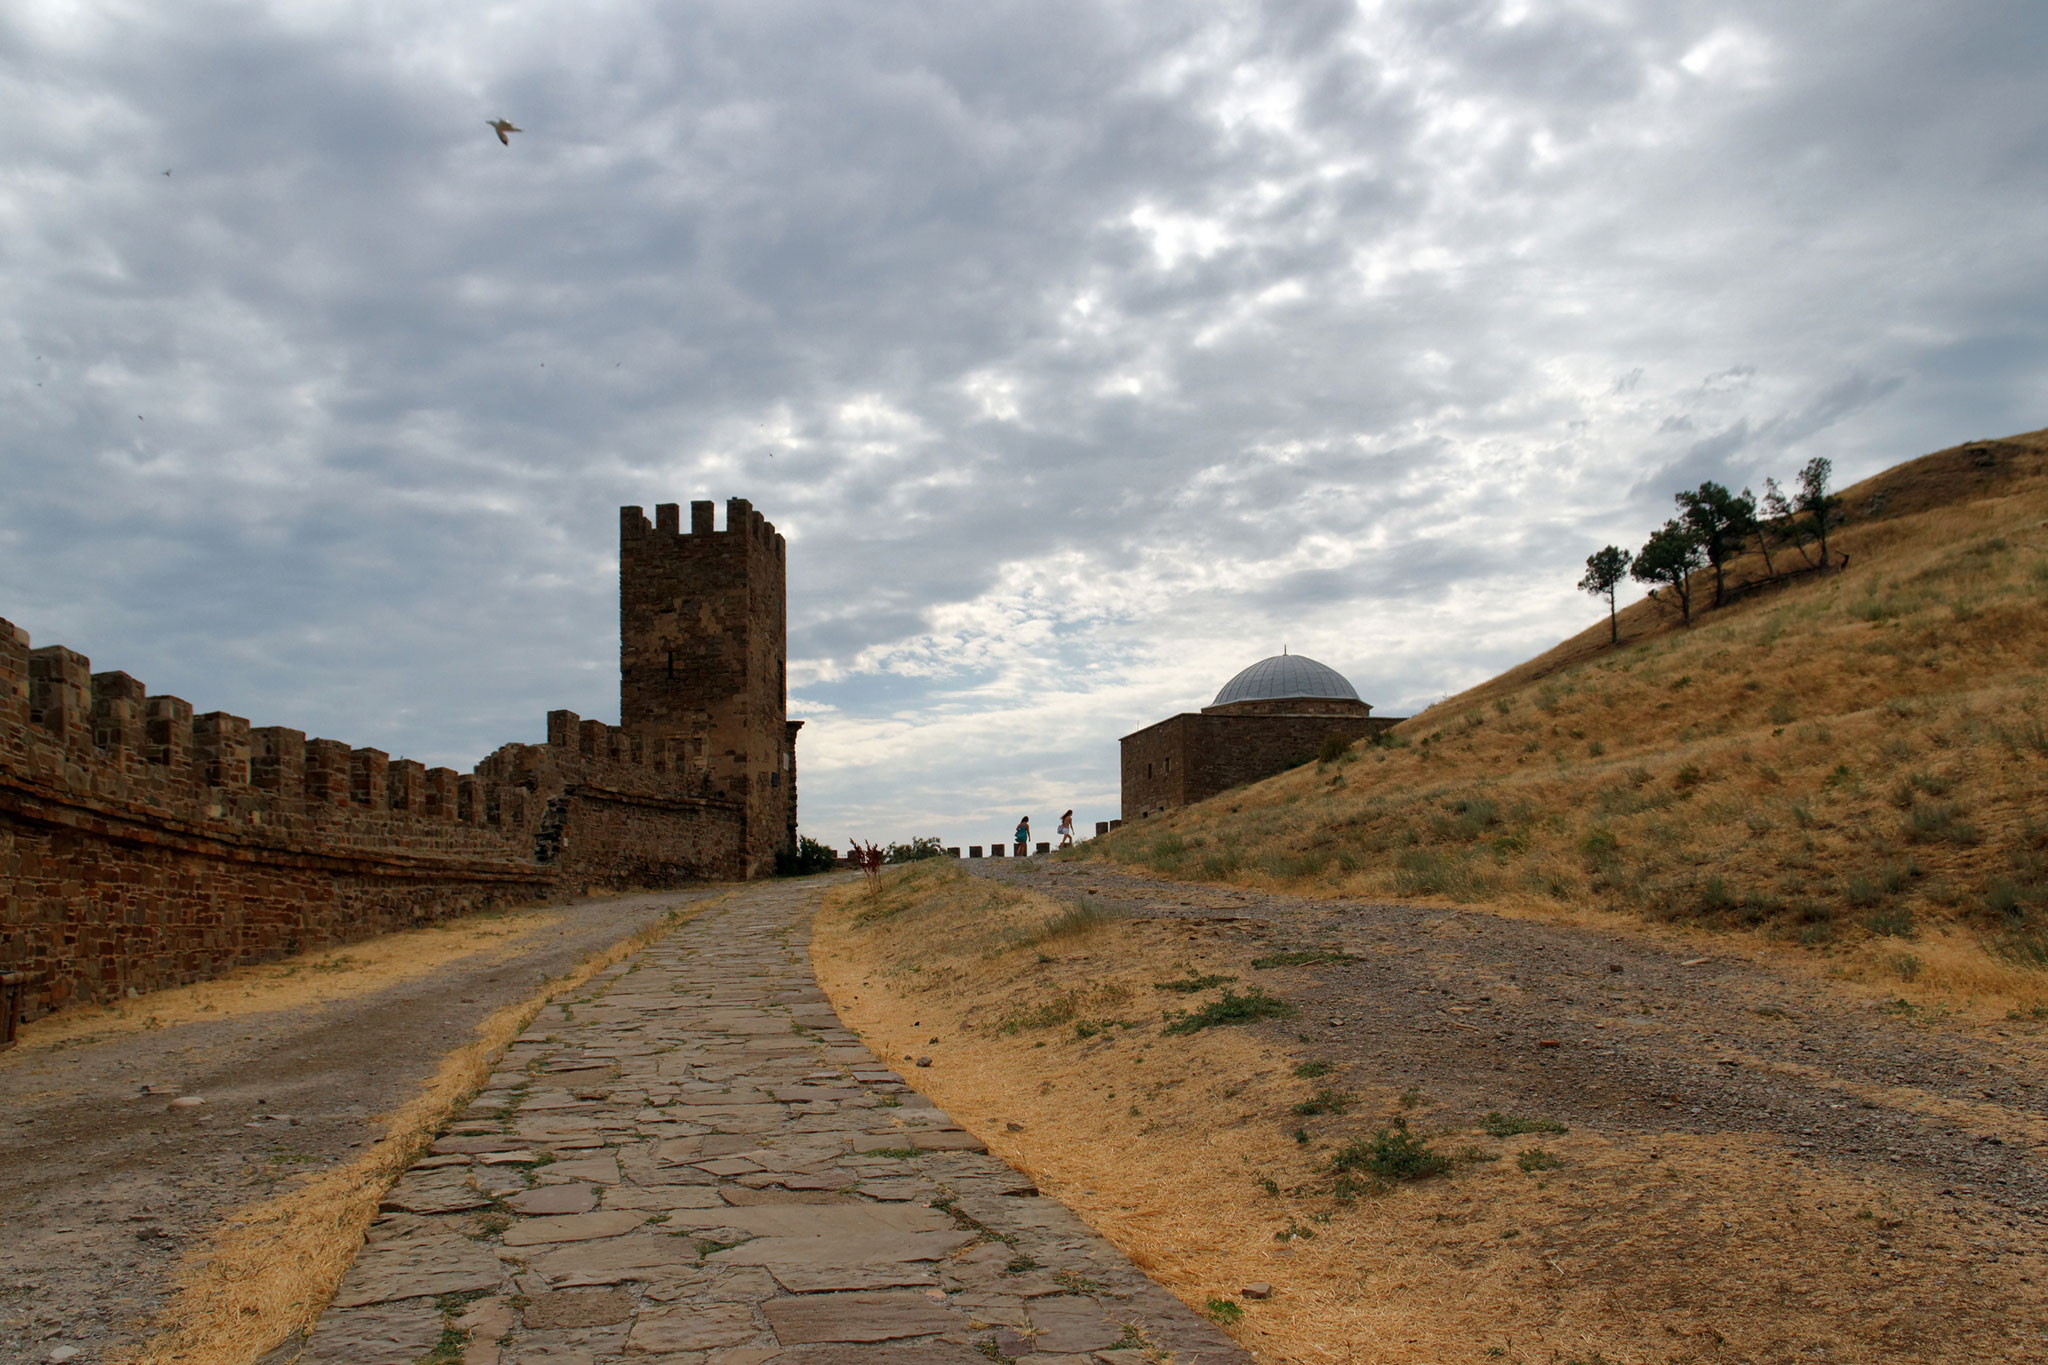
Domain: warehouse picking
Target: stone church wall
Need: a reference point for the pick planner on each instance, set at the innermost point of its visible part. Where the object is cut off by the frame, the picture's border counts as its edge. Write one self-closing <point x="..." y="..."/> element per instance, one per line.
<point x="1193" y="756"/>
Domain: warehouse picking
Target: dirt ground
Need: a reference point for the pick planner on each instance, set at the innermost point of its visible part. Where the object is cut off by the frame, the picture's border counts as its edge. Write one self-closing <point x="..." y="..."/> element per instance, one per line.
<point x="1718" y="1159"/>
<point x="108" y="1183"/>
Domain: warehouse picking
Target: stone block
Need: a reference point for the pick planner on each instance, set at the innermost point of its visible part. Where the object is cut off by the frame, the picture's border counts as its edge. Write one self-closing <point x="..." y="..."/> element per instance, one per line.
<point x="441" y="799"/>
<point x="60" y="694"/>
<point x="13" y="676"/>
<point x="220" y="748"/>
<point x="328" y="765"/>
<point x="405" y="782"/>
<point x="277" y="761"/>
<point x="167" y="724"/>
<point x="369" y="778"/>
<point x="117" y="717"/>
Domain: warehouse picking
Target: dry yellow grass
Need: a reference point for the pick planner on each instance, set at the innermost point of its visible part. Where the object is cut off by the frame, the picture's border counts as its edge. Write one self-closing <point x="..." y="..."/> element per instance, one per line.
<point x="1660" y="1247"/>
<point x="1849" y="766"/>
<point x="274" y="1266"/>
<point x="293" y="983"/>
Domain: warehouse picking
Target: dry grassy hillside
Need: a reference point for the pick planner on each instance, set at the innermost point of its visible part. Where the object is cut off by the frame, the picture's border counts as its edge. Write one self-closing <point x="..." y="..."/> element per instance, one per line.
<point x="1852" y="763"/>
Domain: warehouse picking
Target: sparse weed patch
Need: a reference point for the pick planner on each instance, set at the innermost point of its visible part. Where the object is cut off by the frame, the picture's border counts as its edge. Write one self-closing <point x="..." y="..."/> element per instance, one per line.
<point x="1064" y="1008"/>
<point x="1307" y="957"/>
<point x="1390" y="1155"/>
<point x="1325" y="1101"/>
<point x="1938" y="822"/>
<point x="1230" y="1008"/>
<point x="1497" y="1124"/>
<point x="1537" y="1159"/>
<point x="1191" y="983"/>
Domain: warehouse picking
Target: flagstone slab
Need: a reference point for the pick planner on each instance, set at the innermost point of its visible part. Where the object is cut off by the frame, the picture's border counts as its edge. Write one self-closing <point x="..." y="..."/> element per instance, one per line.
<point x="808" y="1279"/>
<point x="843" y="1251"/>
<point x="616" y="1260"/>
<point x="927" y="1352"/>
<point x="434" y="1191"/>
<point x="602" y="1169"/>
<point x="1071" y="1324"/>
<point x="575" y="1227"/>
<point x="662" y="1198"/>
<point x="418" y="1267"/>
<point x="577" y="1308"/>
<point x="473" y="1144"/>
<point x="886" y="1315"/>
<point x="574" y="1197"/>
<point x="946" y="1140"/>
<point x="746" y="1197"/>
<point x="394" y="1332"/>
<point x="896" y="1191"/>
<point x="693" y="1327"/>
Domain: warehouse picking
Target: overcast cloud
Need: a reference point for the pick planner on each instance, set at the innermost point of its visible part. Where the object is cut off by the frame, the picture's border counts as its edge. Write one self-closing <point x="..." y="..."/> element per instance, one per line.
<point x="1085" y="353"/>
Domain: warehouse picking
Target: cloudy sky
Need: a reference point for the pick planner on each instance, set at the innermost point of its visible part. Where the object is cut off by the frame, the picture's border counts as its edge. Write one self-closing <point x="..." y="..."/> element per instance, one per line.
<point x="1085" y="352"/>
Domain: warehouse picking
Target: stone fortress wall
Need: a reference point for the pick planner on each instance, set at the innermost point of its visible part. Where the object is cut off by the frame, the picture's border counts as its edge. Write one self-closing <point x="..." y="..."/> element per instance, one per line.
<point x="143" y="846"/>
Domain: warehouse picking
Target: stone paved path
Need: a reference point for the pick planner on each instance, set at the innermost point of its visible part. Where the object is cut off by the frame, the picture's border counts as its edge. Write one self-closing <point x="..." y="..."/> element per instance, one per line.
<point x="693" y="1163"/>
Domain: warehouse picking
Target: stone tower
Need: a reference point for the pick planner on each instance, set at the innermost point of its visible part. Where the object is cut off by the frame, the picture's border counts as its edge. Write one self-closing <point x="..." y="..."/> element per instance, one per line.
<point x="703" y="661"/>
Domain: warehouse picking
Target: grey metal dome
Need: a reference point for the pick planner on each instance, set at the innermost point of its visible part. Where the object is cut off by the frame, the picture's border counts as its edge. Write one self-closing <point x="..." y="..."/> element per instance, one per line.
<point x="1283" y="678"/>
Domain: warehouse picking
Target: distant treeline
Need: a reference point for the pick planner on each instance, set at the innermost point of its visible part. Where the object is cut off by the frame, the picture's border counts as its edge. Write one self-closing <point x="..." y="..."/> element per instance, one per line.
<point x="1712" y="527"/>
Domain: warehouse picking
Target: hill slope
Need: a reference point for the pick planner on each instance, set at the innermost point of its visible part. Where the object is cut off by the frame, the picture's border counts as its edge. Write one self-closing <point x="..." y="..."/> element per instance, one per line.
<point x="1850" y="762"/>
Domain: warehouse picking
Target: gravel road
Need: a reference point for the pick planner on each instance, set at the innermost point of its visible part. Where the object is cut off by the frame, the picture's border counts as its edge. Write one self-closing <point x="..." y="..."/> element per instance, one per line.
<point x="1625" y="1034"/>
<point x="105" y="1185"/>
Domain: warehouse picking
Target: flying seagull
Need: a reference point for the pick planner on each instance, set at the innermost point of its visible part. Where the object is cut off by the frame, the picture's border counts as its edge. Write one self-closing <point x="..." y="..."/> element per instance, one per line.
<point x="503" y="126"/>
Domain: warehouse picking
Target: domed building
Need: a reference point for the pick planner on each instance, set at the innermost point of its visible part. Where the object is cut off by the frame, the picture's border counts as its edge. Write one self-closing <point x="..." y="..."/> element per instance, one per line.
<point x="1270" y="717"/>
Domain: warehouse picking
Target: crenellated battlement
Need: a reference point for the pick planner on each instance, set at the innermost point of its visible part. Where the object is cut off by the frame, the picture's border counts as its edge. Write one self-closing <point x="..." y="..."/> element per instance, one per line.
<point x="102" y="737"/>
<point x="744" y="527"/>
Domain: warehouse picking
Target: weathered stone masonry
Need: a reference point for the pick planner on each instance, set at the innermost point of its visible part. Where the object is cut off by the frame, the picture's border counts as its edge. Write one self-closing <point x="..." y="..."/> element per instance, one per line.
<point x="144" y="846"/>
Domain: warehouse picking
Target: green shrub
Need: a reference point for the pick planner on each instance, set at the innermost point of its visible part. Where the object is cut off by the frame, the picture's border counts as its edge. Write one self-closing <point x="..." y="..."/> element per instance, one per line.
<point x="1230" y="1008"/>
<point x="1536" y="1159"/>
<point x="808" y="857"/>
<point x="1334" y="747"/>
<point x="916" y="851"/>
<point x="1391" y="1154"/>
<point x="1325" y="1101"/>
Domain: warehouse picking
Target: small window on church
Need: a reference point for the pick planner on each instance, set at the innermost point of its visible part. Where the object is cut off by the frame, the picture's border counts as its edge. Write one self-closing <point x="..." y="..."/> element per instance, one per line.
<point x="1148" y="770"/>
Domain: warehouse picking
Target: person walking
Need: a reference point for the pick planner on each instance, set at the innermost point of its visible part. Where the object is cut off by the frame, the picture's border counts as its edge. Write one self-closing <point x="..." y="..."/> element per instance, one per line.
<point x="1024" y="836"/>
<point x="1067" y="830"/>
